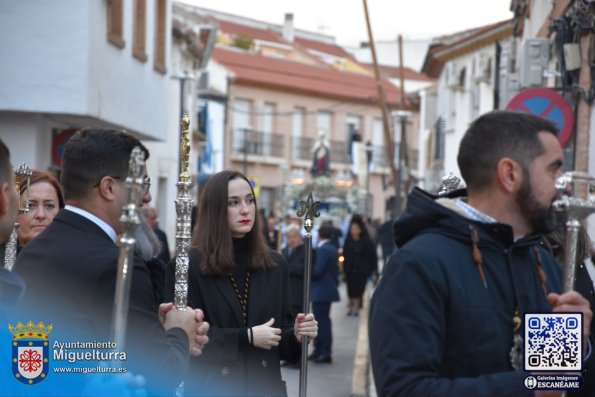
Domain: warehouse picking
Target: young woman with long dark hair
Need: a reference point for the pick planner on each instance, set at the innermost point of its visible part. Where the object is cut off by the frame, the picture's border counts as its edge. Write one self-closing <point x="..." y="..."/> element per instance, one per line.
<point x="242" y="286"/>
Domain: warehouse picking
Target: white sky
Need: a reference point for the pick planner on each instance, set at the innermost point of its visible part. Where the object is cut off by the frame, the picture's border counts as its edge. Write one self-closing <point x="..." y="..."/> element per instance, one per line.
<point x="344" y="19"/>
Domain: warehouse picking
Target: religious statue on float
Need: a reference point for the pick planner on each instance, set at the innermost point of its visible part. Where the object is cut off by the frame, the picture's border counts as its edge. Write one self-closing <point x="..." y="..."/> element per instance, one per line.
<point x="321" y="156"/>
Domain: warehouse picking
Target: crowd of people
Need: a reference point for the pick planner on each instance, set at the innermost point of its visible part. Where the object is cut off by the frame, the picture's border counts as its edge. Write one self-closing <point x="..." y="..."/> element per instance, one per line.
<point x="66" y="270"/>
<point x="460" y="271"/>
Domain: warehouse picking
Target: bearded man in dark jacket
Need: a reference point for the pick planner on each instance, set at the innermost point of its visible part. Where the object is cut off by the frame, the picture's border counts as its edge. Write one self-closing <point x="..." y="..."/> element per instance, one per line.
<point x="469" y="266"/>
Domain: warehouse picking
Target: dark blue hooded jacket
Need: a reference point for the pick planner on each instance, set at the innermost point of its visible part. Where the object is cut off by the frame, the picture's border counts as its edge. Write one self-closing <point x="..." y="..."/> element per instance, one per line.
<point x="436" y="328"/>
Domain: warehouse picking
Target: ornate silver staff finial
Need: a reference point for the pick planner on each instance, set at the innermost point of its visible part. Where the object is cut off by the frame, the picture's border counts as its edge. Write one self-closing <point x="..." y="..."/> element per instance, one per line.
<point x="577" y="199"/>
<point x="450" y="183"/>
<point x="23" y="174"/>
<point x="309" y="208"/>
<point x="184" y="148"/>
<point x="23" y="171"/>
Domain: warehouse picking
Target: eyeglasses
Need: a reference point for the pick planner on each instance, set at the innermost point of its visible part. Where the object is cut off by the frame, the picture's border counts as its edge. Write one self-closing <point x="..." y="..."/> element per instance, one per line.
<point x="146" y="183"/>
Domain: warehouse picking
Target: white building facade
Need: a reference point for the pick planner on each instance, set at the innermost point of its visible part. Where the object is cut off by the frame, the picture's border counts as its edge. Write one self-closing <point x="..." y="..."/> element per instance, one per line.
<point x="466" y="66"/>
<point x="69" y="64"/>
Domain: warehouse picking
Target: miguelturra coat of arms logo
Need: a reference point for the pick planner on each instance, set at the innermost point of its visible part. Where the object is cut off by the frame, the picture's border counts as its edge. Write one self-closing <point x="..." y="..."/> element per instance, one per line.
<point x="30" y="351"/>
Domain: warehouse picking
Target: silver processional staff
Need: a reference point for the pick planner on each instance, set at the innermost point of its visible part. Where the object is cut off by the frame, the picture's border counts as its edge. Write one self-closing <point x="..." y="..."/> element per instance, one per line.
<point x="10" y="250"/>
<point x="449" y="183"/>
<point x="308" y="208"/>
<point x="129" y="220"/>
<point x="577" y="201"/>
<point x="184" y="205"/>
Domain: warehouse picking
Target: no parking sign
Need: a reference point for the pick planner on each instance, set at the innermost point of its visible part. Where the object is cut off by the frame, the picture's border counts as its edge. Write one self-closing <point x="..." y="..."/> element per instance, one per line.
<point x="546" y="103"/>
<point x="59" y="139"/>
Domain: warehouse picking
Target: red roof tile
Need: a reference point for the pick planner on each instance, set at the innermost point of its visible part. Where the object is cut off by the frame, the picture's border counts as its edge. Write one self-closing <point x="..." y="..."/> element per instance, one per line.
<point x="394" y="72"/>
<point x="253" y="69"/>
<point x="254" y="33"/>
<point x="326" y="48"/>
<point x="473" y="34"/>
<point x="463" y="42"/>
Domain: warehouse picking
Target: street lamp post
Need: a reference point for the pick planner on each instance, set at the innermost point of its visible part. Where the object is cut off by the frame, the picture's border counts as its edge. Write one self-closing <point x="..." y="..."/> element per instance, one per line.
<point x="402" y="115"/>
<point x="369" y="150"/>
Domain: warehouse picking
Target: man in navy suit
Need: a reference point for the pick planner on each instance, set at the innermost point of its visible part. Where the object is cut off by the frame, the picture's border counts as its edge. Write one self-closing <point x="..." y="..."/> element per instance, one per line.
<point x="323" y="293"/>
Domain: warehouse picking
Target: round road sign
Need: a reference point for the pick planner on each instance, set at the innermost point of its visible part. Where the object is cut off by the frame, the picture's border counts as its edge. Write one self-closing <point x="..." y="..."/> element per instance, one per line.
<point x="550" y="105"/>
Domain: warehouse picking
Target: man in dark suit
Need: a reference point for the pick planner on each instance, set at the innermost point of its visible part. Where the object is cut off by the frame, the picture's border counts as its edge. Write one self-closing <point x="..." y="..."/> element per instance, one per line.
<point x="71" y="268"/>
<point x="9" y="201"/>
<point x="271" y="234"/>
<point x="11" y="285"/>
<point x="324" y="292"/>
<point x="295" y="254"/>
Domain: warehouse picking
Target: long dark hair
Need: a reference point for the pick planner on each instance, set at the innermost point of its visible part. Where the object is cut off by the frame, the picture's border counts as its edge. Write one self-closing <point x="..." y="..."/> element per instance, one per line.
<point x="212" y="237"/>
<point x="358" y="220"/>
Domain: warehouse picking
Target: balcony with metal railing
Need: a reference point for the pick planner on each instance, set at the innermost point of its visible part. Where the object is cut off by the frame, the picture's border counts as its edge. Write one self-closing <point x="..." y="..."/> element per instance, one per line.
<point x="301" y="148"/>
<point x="379" y="157"/>
<point x="270" y="146"/>
<point x="251" y="142"/>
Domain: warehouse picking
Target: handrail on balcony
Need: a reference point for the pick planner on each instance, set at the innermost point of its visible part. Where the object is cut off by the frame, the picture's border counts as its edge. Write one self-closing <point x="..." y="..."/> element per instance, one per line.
<point x="257" y="142"/>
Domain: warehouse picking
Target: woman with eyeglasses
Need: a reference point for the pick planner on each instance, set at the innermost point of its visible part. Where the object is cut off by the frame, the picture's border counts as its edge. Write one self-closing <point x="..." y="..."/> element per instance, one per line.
<point x="242" y="286"/>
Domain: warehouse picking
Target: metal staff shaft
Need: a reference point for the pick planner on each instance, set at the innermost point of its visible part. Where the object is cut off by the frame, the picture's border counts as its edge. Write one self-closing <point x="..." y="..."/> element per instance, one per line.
<point x="184" y="205"/>
<point x="306" y="308"/>
<point x="122" y="297"/>
<point x="129" y="220"/>
<point x="577" y="202"/>
<point x="573" y="228"/>
<point x="10" y="249"/>
<point x="308" y="208"/>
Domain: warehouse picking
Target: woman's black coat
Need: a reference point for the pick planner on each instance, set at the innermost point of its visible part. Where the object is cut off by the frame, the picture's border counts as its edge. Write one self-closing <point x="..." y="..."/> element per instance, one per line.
<point x="228" y="366"/>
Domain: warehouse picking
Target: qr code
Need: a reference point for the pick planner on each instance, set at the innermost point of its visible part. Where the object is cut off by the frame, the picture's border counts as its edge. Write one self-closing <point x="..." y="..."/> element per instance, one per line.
<point x="553" y="341"/>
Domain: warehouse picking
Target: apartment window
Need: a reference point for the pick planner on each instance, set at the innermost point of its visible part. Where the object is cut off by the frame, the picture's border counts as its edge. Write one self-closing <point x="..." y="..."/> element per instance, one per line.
<point x="439" y="146"/>
<point x="323" y="123"/>
<point x="115" y="22"/>
<point x="378" y="153"/>
<point x="160" y="35"/>
<point x="378" y="131"/>
<point x="297" y="131"/>
<point x="354" y="133"/>
<point x="267" y="123"/>
<point x="140" y="28"/>
<point x="241" y="125"/>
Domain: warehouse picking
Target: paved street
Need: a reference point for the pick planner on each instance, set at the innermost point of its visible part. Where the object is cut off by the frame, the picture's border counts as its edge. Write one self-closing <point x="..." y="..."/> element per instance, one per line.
<point x="332" y="380"/>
